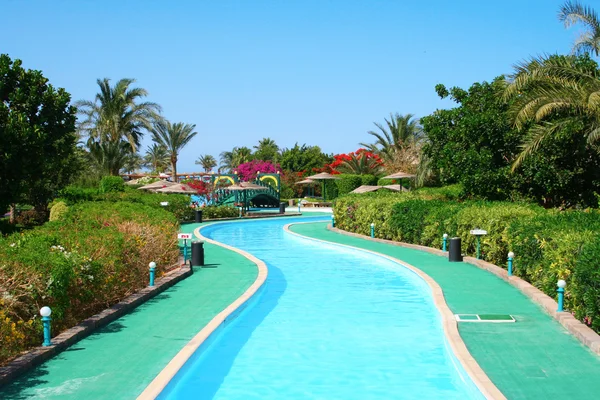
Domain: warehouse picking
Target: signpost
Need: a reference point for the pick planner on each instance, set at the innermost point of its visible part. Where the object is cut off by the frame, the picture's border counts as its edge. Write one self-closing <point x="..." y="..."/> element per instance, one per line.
<point x="185" y="237"/>
<point x="478" y="234"/>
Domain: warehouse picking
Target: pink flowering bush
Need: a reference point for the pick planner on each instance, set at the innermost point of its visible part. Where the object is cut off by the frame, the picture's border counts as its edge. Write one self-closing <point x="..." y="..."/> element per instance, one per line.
<point x="248" y="171"/>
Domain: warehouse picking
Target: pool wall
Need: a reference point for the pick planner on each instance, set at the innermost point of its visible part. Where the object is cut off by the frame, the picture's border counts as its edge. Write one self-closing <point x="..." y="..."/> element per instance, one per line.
<point x="205" y="337"/>
<point x="459" y="351"/>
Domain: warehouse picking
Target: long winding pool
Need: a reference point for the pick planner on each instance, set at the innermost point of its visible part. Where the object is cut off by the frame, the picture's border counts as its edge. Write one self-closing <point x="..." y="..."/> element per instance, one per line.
<point x="330" y="323"/>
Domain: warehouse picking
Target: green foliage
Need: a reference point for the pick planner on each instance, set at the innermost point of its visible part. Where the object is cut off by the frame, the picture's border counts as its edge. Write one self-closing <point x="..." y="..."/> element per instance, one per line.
<point x="347" y="183"/>
<point x="58" y="210"/>
<point x="37" y="124"/>
<point x="111" y="184"/>
<point x="94" y="256"/>
<point x="303" y="158"/>
<point x="549" y="244"/>
<point x="213" y="212"/>
<point x="369" y="180"/>
<point x="386" y="181"/>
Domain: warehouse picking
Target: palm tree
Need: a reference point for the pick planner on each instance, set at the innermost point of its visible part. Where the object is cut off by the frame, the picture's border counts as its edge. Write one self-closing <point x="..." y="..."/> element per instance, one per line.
<point x="157" y="158"/>
<point x="571" y="13"/>
<point x="133" y="162"/>
<point x="173" y="137"/>
<point x="400" y="133"/>
<point x="109" y="157"/>
<point x="208" y="162"/>
<point x="117" y="114"/>
<point x="360" y="163"/>
<point x="267" y="150"/>
<point x="553" y="92"/>
<point x="231" y="159"/>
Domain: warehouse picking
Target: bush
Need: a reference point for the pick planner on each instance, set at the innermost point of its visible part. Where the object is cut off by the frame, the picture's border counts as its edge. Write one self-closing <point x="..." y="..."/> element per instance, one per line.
<point x="369" y="180"/>
<point x="111" y="184"/>
<point x="549" y="244"/>
<point x="58" y="210"/>
<point x="31" y="217"/>
<point x="76" y="194"/>
<point x="386" y="181"/>
<point x="93" y="257"/>
<point x="347" y="183"/>
<point x="213" y="212"/>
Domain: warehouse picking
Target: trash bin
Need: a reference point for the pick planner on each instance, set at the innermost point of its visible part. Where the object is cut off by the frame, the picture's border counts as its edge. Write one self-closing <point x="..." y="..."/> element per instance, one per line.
<point x="282" y="205"/>
<point x="198" y="216"/>
<point x="197" y="254"/>
<point x="454" y="253"/>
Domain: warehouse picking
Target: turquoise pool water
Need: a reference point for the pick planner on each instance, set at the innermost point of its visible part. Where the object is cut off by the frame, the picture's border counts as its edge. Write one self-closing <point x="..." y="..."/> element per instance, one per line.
<point x="331" y="323"/>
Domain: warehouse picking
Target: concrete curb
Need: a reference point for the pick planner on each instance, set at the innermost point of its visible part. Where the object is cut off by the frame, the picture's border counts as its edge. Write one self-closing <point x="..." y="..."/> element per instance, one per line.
<point x="161" y="381"/>
<point x="448" y="322"/>
<point x="86" y="327"/>
<point x="578" y="329"/>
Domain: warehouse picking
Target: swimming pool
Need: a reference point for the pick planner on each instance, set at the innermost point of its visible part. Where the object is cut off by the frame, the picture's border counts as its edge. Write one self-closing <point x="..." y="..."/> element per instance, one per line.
<point x="330" y="323"/>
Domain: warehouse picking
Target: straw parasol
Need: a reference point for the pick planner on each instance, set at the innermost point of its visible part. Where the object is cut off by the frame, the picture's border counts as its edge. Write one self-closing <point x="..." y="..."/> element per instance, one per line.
<point x="305" y="181"/>
<point x="244" y="187"/>
<point x="132" y="182"/>
<point x="399" y="175"/>
<point x="366" y="189"/>
<point x="178" y="188"/>
<point x="396" y="188"/>
<point x="157" y="185"/>
<point x="323" y="176"/>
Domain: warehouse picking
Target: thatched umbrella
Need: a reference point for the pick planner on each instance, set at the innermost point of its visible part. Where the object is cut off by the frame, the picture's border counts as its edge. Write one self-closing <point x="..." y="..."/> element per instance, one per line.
<point x="396" y="188"/>
<point x="400" y="175"/>
<point x="366" y="189"/>
<point x="178" y="188"/>
<point x="307" y="181"/>
<point x="322" y="177"/>
<point x="157" y="185"/>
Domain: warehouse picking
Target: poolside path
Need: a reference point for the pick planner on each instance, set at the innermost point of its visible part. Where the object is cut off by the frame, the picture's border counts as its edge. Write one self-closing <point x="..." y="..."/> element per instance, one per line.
<point x="120" y="360"/>
<point x="534" y="358"/>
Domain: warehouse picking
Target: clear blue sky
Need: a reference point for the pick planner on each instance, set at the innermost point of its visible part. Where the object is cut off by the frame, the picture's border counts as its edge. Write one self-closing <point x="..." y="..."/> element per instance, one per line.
<point x="317" y="72"/>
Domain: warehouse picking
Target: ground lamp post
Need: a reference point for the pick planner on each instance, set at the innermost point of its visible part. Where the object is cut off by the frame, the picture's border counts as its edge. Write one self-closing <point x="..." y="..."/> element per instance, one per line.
<point x="152" y="266"/>
<point x="444" y="241"/>
<point x="333" y="221"/>
<point x="478" y="233"/>
<point x="561" y="294"/>
<point x="372" y="229"/>
<point x="45" y="313"/>
<point x="511" y="256"/>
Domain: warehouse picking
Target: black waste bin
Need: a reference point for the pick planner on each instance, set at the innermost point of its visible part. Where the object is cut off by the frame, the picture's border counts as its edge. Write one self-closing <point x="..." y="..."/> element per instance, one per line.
<point x="282" y="207"/>
<point x="198" y="216"/>
<point x="197" y="254"/>
<point x="454" y="253"/>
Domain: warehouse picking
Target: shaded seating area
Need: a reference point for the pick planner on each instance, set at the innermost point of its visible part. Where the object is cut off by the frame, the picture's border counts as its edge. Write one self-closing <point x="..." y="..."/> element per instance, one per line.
<point x="368" y="188"/>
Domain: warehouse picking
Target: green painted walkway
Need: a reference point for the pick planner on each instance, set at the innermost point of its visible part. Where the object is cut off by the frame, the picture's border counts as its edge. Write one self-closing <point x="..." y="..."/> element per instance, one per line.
<point x="534" y="358"/>
<point x="119" y="361"/>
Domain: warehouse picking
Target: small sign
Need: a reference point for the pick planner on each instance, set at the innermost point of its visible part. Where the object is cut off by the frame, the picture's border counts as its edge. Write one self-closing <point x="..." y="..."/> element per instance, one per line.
<point x="164" y="203"/>
<point x="184" y="236"/>
<point x="478" y="232"/>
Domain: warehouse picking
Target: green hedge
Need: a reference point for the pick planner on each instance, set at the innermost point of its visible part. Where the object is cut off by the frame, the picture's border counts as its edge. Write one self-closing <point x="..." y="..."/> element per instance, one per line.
<point x="96" y="254"/>
<point x="111" y="184"/>
<point x="212" y="212"/>
<point x="549" y="244"/>
<point x="347" y="183"/>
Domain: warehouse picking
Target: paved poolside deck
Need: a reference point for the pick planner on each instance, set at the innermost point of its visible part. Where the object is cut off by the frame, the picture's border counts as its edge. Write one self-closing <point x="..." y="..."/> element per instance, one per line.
<point x="120" y="360"/>
<point x="534" y="358"/>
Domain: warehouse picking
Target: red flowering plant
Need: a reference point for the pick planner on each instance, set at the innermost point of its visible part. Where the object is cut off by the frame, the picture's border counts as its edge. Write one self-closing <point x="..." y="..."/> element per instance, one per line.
<point x="360" y="161"/>
<point x="248" y="171"/>
<point x="203" y="189"/>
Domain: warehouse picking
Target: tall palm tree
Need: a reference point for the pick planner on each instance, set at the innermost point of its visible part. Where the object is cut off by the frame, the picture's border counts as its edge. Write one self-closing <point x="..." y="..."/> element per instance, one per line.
<point x="231" y="159"/>
<point x="157" y="158"/>
<point x="133" y="162"/>
<point x="399" y="133"/>
<point x="117" y="114"/>
<point x="267" y="150"/>
<point x="208" y="162"/>
<point x="173" y="137"/>
<point x="573" y="12"/>
<point x="109" y="157"/>
<point x="553" y="92"/>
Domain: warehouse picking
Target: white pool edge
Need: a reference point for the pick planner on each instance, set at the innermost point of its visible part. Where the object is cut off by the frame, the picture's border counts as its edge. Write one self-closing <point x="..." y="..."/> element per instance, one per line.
<point x="449" y="323"/>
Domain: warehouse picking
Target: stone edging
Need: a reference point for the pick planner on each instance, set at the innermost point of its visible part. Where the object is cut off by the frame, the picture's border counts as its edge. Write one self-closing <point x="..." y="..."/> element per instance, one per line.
<point x="449" y="324"/>
<point x="86" y="327"/>
<point x="578" y="329"/>
<point x="164" y="377"/>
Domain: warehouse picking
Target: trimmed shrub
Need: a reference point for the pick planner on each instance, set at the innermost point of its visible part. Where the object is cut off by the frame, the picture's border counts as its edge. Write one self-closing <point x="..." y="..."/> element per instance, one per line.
<point x="212" y="212"/>
<point x="347" y="183"/>
<point x="93" y="257"/>
<point x="58" y="210"/>
<point x="76" y="194"/>
<point x="386" y="181"/>
<point x="369" y="180"/>
<point x="111" y="184"/>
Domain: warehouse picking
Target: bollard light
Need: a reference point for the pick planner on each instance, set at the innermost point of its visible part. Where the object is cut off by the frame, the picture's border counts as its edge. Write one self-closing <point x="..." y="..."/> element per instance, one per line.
<point x="299" y="212"/>
<point x="444" y="241"/>
<point x="152" y="266"/>
<point x="511" y="256"/>
<point x="45" y="313"/>
<point x="373" y="229"/>
<point x="333" y="221"/>
<point x="240" y="212"/>
<point x="561" y="294"/>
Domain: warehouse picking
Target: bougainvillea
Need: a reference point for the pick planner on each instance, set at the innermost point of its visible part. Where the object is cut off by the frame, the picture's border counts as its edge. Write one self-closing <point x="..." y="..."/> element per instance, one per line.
<point x="360" y="161"/>
<point x="248" y="171"/>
